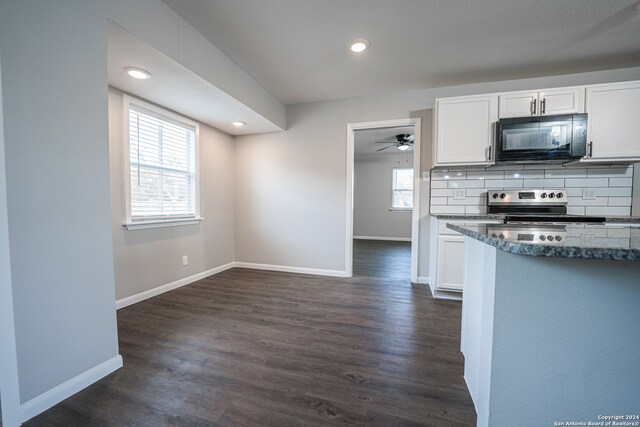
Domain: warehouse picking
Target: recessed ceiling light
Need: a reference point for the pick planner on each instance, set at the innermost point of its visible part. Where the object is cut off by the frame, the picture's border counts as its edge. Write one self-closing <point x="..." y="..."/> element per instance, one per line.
<point x="238" y="123"/>
<point x="359" y="45"/>
<point x="138" y="73"/>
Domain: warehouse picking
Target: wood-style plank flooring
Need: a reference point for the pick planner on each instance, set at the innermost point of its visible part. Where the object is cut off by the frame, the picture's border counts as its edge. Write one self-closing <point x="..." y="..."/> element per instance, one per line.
<point x="256" y="348"/>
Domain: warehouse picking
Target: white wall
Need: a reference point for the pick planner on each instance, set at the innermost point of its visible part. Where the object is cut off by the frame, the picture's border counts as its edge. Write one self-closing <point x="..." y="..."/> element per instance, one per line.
<point x="290" y="201"/>
<point x="146" y="259"/>
<point x="54" y="77"/>
<point x="9" y="389"/>
<point x="372" y="214"/>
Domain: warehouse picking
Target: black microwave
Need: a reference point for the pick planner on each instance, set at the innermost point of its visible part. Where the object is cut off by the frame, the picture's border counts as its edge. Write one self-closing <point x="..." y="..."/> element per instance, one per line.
<point x="558" y="138"/>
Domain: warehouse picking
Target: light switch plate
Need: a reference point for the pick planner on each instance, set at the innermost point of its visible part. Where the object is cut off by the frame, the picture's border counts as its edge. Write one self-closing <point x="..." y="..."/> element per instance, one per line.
<point x="588" y="194"/>
<point x="459" y="194"/>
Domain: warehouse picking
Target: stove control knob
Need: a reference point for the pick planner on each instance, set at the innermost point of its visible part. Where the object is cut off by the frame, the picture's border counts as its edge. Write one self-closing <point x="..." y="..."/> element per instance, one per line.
<point x="551" y="195"/>
<point x="495" y="195"/>
<point x="543" y="195"/>
<point x="560" y="195"/>
<point x="543" y="238"/>
<point x="558" y="238"/>
<point x="493" y="235"/>
<point x="501" y="236"/>
<point x="502" y="196"/>
<point x="550" y="238"/>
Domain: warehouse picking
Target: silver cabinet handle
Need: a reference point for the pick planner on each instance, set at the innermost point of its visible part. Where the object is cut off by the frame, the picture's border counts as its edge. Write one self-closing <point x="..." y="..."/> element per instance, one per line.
<point x="489" y="153"/>
<point x="543" y="105"/>
<point x="533" y="107"/>
<point x="590" y="149"/>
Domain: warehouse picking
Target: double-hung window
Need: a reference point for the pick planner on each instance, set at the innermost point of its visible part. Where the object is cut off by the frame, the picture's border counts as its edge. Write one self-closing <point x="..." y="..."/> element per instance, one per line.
<point x="161" y="167"/>
<point x="402" y="189"/>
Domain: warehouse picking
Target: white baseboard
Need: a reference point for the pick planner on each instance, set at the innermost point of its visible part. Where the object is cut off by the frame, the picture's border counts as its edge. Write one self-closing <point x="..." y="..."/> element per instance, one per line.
<point x="125" y="302"/>
<point x="423" y="280"/>
<point x="46" y="400"/>
<point x="287" y="269"/>
<point x="392" y="239"/>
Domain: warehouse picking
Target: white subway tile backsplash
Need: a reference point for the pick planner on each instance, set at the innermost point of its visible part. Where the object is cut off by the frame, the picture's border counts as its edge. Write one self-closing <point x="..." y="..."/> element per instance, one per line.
<point x="615" y="171"/>
<point x="565" y="173"/>
<point x="469" y="201"/>
<point x="475" y="210"/>
<point x="442" y="192"/>
<point x="613" y="191"/>
<point x="586" y="182"/>
<point x="473" y="192"/>
<point x="544" y="183"/>
<point x="579" y="201"/>
<point x="447" y="209"/>
<point x="486" y="174"/>
<point x="458" y="183"/>
<point x="575" y="210"/>
<point x="522" y="174"/>
<point x="620" y="182"/>
<point x="503" y="183"/>
<point x="608" y="210"/>
<point x="611" y="185"/>
<point x="439" y="201"/>
<point x="619" y="201"/>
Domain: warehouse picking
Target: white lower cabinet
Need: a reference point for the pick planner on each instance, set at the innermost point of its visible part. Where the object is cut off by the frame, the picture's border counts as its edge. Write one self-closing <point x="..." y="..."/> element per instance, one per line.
<point x="450" y="259"/>
<point x="446" y="263"/>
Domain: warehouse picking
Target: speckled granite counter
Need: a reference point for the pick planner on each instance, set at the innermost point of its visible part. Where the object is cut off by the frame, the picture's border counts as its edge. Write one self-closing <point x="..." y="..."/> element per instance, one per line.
<point x="581" y="241"/>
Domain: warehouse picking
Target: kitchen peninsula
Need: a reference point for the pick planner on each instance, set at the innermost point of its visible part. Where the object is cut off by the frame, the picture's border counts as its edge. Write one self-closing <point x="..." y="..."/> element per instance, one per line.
<point x="551" y="333"/>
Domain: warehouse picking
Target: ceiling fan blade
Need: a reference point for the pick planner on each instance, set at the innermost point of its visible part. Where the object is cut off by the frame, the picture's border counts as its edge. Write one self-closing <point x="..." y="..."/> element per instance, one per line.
<point x="385" y="142"/>
<point x="384" y="148"/>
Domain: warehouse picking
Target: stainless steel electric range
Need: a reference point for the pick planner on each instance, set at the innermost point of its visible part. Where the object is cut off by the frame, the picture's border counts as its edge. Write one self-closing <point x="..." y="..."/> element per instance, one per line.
<point x="533" y="216"/>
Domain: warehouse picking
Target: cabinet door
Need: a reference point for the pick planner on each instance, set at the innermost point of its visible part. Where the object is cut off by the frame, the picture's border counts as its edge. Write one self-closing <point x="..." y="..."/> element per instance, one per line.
<point x="518" y="104"/>
<point x="561" y="101"/>
<point x="450" y="263"/>
<point x="614" y="121"/>
<point x="464" y="130"/>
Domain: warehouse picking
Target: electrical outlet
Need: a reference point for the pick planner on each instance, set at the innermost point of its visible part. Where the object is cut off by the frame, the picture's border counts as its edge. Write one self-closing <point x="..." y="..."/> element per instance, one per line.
<point x="459" y="194"/>
<point x="425" y="176"/>
<point x="588" y="194"/>
<point x="185" y="260"/>
<point x="587" y="239"/>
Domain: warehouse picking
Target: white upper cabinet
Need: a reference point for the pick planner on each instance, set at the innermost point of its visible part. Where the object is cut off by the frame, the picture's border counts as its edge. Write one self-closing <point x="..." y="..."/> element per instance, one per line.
<point x="614" y="122"/>
<point x="464" y="129"/>
<point x="539" y="103"/>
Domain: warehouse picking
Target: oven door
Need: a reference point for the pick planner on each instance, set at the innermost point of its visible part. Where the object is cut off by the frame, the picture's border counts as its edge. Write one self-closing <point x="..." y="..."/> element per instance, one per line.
<point x="546" y="138"/>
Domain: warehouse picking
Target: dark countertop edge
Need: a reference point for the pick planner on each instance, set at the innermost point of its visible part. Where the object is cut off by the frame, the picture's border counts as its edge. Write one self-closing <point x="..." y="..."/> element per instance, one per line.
<point x="551" y="251"/>
<point x="616" y="219"/>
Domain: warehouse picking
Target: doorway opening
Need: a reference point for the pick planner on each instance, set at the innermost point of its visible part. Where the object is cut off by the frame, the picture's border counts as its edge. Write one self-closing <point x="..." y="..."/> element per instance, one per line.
<point x="384" y="215"/>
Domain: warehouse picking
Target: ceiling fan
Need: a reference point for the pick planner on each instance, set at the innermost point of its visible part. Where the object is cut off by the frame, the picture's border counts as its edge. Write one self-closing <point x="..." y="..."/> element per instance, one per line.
<point x="404" y="141"/>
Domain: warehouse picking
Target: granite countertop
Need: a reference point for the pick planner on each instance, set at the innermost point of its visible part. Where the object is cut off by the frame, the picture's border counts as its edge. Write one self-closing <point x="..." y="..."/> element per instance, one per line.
<point x="608" y="242"/>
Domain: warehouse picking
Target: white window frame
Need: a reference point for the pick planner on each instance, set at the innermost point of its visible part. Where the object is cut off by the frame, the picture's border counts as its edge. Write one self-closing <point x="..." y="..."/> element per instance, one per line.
<point x="393" y="188"/>
<point x="169" y="116"/>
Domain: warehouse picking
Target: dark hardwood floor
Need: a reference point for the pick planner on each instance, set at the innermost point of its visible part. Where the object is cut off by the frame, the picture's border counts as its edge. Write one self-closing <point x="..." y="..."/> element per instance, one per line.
<point x="256" y="348"/>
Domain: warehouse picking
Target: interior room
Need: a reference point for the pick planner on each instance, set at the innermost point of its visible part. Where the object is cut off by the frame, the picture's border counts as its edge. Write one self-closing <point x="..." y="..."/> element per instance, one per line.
<point x="299" y="212"/>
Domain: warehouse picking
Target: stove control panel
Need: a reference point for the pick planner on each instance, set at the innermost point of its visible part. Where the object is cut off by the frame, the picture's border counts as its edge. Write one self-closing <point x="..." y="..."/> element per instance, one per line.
<point x="527" y="197"/>
<point x="549" y="235"/>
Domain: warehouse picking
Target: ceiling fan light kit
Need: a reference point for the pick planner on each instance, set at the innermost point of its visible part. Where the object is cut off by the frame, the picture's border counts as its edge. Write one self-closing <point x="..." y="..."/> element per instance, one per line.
<point x="404" y="141"/>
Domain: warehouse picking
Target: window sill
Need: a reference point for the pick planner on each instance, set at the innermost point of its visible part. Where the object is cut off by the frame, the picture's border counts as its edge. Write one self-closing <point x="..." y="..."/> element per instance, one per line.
<point x="400" y="209"/>
<point x="143" y="225"/>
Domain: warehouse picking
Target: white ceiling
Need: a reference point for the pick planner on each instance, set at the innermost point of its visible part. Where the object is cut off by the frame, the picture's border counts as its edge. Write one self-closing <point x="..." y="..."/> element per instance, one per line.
<point x="366" y="140"/>
<point x="175" y="87"/>
<point x="297" y="49"/>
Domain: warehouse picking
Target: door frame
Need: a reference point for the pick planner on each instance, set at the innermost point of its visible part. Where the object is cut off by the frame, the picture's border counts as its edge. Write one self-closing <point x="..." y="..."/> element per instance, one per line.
<point x="415" y="213"/>
<point x="9" y="388"/>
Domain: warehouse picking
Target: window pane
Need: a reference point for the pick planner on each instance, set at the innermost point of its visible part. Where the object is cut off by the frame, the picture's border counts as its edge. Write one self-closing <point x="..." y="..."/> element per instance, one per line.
<point x="402" y="199"/>
<point x="402" y="188"/>
<point x="162" y="166"/>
